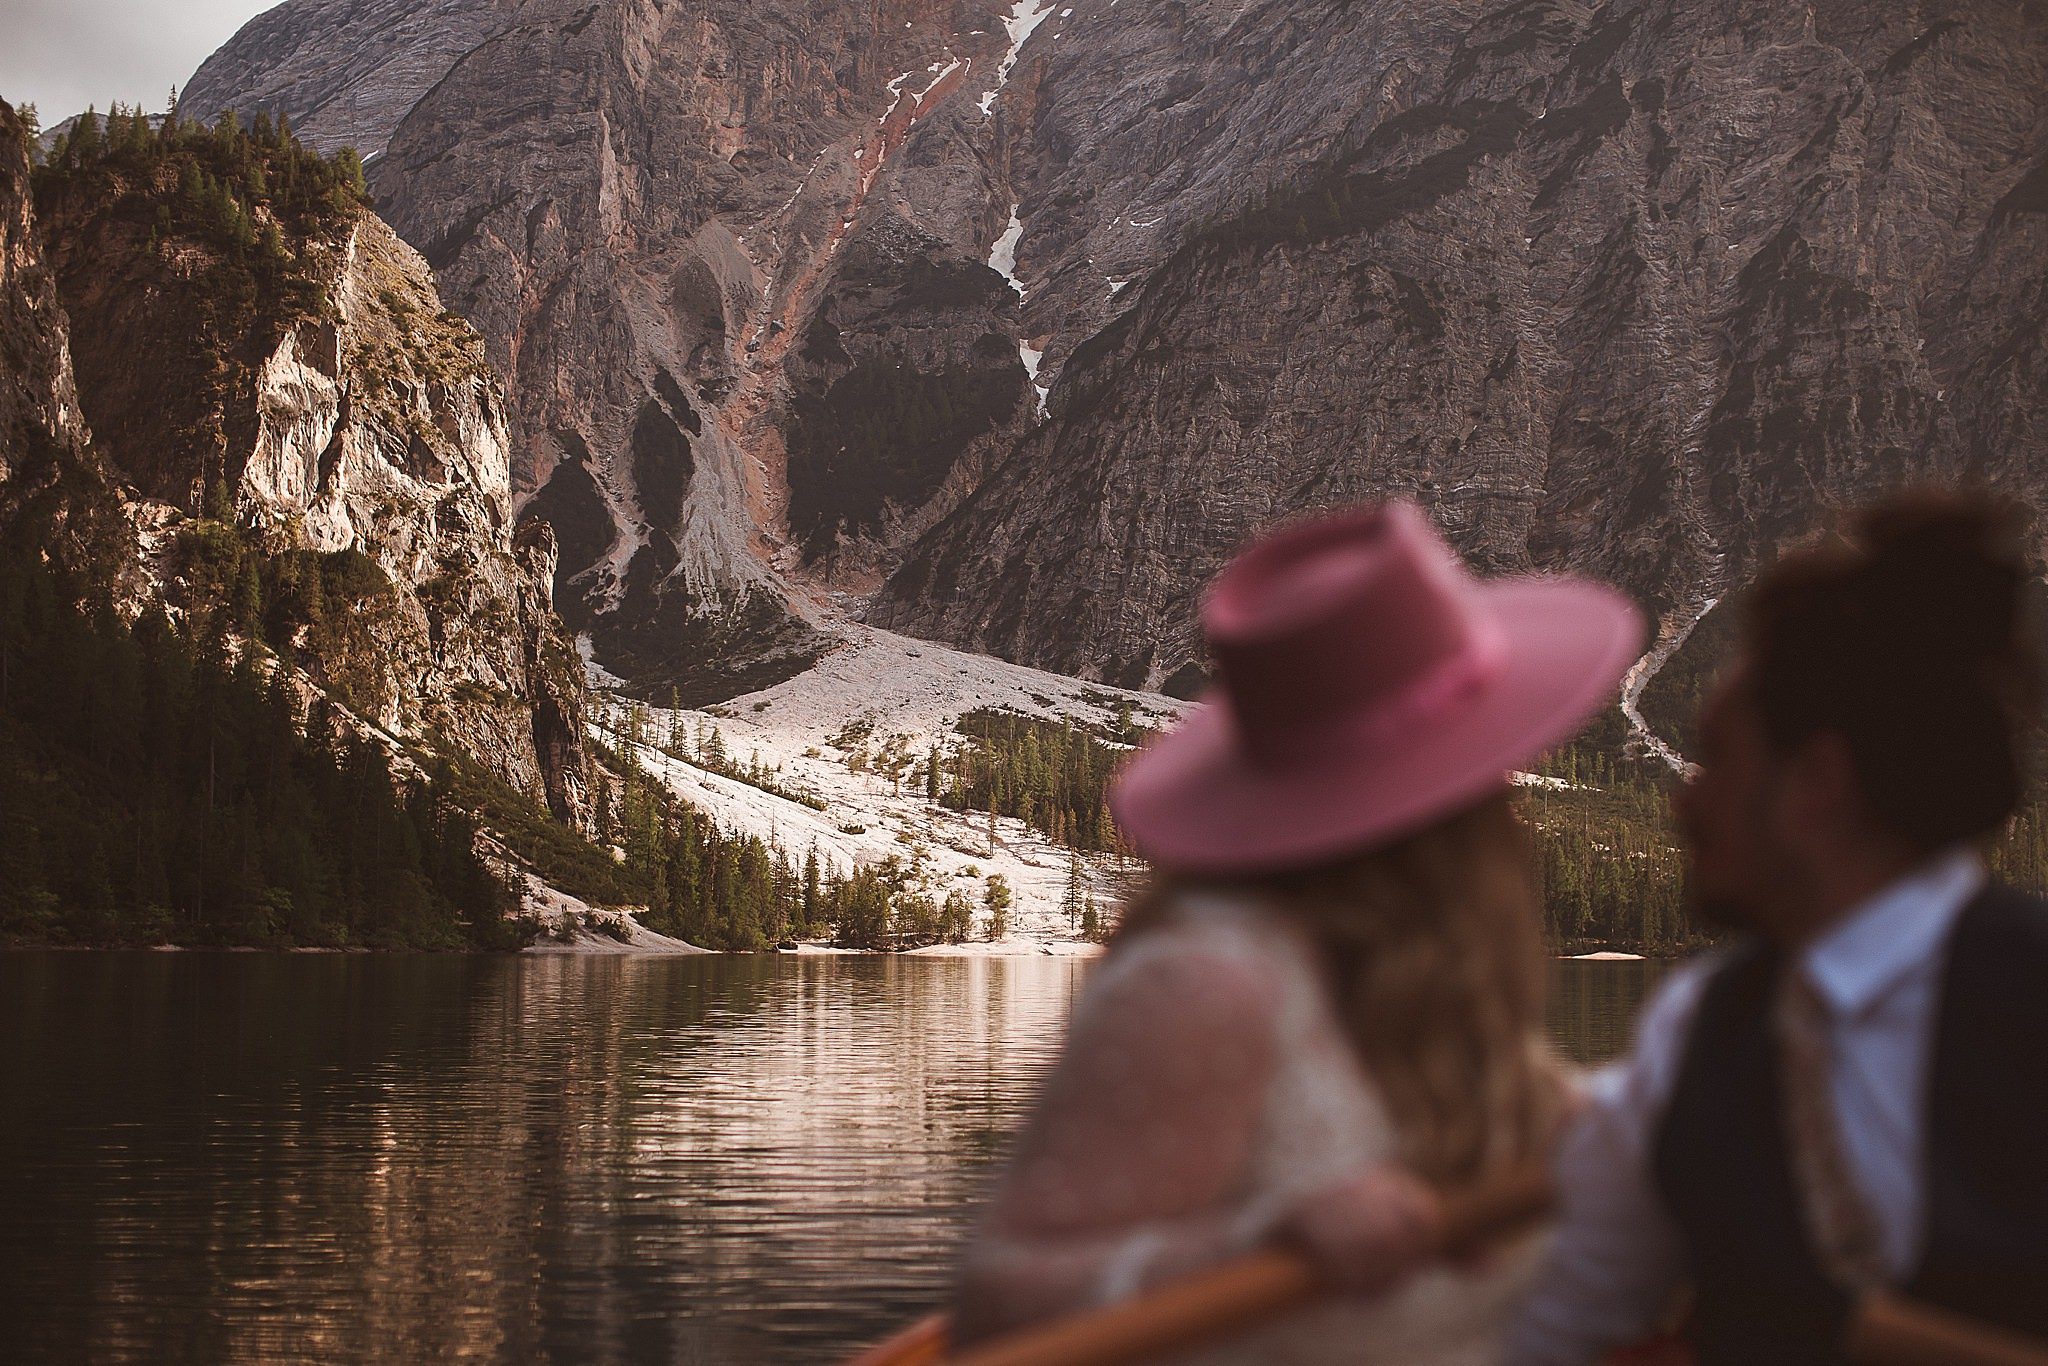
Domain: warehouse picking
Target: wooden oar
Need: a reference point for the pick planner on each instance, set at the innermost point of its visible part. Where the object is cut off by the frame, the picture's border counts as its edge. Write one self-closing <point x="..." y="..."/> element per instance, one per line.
<point x="923" y="1343"/>
<point x="1246" y="1292"/>
<point x="1888" y="1331"/>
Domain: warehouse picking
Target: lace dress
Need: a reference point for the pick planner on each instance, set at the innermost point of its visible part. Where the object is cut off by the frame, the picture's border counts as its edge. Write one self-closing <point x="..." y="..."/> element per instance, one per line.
<point x="1315" y="1119"/>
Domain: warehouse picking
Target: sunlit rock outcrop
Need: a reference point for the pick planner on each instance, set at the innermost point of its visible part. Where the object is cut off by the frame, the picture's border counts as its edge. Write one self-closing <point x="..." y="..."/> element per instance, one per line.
<point x="301" y="436"/>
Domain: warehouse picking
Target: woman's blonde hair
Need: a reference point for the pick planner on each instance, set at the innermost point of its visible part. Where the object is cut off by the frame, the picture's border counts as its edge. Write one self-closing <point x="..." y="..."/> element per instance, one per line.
<point x="1433" y="950"/>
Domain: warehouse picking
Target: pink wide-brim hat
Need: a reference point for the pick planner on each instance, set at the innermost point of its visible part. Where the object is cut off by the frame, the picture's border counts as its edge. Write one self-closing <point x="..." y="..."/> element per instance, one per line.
<point x="1367" y="686"/>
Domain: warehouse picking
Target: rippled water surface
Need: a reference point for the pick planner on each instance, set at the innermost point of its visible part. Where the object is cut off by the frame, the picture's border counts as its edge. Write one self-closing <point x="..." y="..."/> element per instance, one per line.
<point x="237" y="1157"/>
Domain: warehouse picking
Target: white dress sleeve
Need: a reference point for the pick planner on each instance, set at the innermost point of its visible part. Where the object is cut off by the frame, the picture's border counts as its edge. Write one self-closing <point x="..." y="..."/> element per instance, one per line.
<point x="1123" y="1176"/>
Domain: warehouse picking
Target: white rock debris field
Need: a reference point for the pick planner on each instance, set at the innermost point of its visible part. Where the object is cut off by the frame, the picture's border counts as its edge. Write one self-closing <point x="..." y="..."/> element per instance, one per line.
<point x="853" y="732"/>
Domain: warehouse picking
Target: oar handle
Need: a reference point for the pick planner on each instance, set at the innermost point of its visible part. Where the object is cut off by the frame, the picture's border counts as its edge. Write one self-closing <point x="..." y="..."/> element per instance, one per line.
<point x="921" y="1344"/>
<point x="1186" y="1312"/>
<point x="1888" y="1331"/>
<point x="1247" y="1292"/>
<point x="1504" y="1204"/>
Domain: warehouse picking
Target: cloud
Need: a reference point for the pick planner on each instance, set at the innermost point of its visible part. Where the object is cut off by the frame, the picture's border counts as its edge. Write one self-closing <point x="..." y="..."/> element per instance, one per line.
<point x="61" y="55"/>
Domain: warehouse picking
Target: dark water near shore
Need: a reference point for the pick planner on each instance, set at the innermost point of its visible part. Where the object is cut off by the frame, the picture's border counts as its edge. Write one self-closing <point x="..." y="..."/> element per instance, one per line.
<point x="241" y="1158"/>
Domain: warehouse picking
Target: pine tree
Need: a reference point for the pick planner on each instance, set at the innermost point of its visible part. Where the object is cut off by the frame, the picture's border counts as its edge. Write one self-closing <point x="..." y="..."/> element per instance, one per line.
<point x="86" y="145"/>
<point x="811" y="905"/>
<point x="348" y="164"/>
<point x="997" y="898"/>
<point x="956" y="917"/>
<point x="248" y="602"/>
<point x="1075" y="899"/>
<point x="138" y="138"/>
<point x="860" y="910"/>
<point x="917" y="920"/>
<point x="196" y="807"/>
<point x="218" y="503"/>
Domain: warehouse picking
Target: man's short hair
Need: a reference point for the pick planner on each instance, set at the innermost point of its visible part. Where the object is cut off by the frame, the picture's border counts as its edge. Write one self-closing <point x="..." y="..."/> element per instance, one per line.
<point x="1906" y="638"/>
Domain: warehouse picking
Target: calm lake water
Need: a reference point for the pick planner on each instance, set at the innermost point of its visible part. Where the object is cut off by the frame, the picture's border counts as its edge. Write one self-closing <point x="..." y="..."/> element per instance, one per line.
<point x="241" y="1158"/>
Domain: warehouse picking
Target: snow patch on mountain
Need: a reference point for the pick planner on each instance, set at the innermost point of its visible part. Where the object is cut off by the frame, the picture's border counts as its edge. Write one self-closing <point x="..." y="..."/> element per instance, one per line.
<point x="1002" y="257"/>
<point x="1033" y="357"/>
<point x="939" y="73"/>
<point x="1025" y="17"/>
<point x="851" y="731"/>
<point x="1546" y="783"/>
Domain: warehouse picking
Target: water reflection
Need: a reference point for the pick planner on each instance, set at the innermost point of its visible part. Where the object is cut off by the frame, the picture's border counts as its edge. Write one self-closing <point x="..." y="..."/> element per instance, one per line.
<point x="251" y="1158"/>
<point x="1593" y="1004"/>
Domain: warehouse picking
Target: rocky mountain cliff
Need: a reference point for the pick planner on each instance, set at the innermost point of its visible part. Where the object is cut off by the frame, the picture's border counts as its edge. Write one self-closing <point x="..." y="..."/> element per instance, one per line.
<point x="300" y="434"/>
<point x="1642" y="290"/>
<point x="38" y="398"/>
<point x="50" y="479"/>
<point x="657" y="237"/>
<point x="346" y="70"/>
<point x="1013" y="320"/>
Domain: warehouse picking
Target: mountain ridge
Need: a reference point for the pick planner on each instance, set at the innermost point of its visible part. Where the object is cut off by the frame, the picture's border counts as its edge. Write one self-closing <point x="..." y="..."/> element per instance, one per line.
<point x="1641" y="290"/>
<point x="310" y="422"/>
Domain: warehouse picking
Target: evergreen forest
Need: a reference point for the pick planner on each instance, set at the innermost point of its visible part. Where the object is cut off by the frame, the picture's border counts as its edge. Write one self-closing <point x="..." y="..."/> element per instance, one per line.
<point x="1053" y="776"/>
<point x="248" y="192"/>
<point x="158" y="785"/>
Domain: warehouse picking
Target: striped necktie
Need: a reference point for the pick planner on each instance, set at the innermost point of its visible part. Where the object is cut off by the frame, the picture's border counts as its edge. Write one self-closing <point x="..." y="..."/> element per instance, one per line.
<point x="1844" y="1230"/>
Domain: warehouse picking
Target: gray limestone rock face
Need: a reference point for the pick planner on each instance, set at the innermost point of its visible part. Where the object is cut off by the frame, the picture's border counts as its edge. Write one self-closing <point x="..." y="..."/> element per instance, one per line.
<point x="346" y="72"/>
<point x="351" y="430"/>
<point x="38" y="398"/>
<point x="50" y="476"/>
<point x="654" y="213"/>
<point x="1647" y="291"/>
<point x="1017" y="319"/>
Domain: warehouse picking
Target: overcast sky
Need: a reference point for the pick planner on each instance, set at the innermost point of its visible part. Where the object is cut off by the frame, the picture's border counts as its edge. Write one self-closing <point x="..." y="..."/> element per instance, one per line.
<point x="61" y="55"/>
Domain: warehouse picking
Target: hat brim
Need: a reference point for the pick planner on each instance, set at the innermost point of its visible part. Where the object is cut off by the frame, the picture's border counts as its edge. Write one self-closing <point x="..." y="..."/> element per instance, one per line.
<point x="1193" y="802"/>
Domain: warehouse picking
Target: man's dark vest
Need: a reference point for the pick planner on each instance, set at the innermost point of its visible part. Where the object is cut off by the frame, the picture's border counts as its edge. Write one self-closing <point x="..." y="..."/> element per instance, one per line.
<point x="1720" y="1164"/>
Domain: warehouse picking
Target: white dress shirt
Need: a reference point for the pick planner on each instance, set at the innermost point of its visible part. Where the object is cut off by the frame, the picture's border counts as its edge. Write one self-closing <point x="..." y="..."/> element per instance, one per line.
<point x="1617" y="1260"/>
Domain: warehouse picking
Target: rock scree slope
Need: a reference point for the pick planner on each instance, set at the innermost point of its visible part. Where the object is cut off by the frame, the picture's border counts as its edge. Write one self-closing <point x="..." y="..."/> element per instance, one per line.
<point x="1643" y="289"/>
